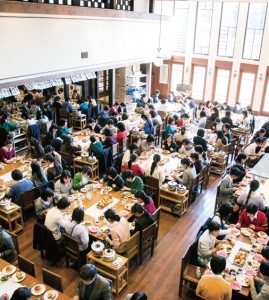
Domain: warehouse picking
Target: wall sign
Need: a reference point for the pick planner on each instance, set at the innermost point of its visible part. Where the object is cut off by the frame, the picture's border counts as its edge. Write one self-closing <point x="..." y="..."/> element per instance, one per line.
<point x="164" y="74"/>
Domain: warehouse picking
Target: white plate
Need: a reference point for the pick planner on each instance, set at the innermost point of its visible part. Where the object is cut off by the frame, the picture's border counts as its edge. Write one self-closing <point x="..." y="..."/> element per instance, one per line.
<point x="46" y="295"/>
<point x="262" y="234"/>
<point x="128" y="206"/>
<point x="37" y="293"/>
<point x="12" y="270"/>
<point x="104" y="228"/>
<point x="242" y="278"/>
<point x="15" y="278"/>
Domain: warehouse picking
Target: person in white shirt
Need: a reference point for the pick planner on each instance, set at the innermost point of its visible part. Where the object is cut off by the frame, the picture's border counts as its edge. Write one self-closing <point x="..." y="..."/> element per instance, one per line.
<point x="202" y="120"/>
<point x="64" y="186"/>
<point x="127" y="154"/>
<point x="78" y="231"/>
<point x="55" y="219"/>
<point x="253" y="149"/>
<point x="245" y="121"/>
<point x="154" y="170"/>
<point x="126" y="121"/>
<point x="186" y="148"/>
<point x="119" y="230"/>
<point x="163" y="106"/>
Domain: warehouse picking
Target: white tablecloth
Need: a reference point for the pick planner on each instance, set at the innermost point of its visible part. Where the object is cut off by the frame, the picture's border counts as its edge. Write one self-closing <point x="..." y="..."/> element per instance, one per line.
<point x="95" y="212"/>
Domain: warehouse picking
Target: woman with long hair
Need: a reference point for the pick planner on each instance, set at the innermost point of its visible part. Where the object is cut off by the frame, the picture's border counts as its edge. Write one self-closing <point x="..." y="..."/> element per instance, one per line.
<point x="64" y="185"/>
<point x="154" y="170"/>
<point x="127" y="154"/>
<point x="202" y="155"/>
<point x="134" y="166"/>
<point x="169" y="144"/>
<point x="39" y="177"/>
<point x="188" y="175"/>
<point x="221" y="141"/>
<point x="122" y="135"/>
<point x="119" y="231"/>
<point x="148" y="125"/>
<point x="69" y="147"/>
<point x="245" y="120"/>
<point x="214" y="114"/>
<point x="181" y="135"/>
<point x="35" y="150"/>
<point x="146" y="201"/>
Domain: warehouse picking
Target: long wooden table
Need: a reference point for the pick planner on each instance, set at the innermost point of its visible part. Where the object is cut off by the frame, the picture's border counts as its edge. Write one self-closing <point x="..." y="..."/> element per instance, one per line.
<point x="29" y="281"/>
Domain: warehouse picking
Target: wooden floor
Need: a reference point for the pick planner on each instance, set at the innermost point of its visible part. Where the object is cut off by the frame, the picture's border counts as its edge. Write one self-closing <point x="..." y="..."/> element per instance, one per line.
<point x="158" y="277"/>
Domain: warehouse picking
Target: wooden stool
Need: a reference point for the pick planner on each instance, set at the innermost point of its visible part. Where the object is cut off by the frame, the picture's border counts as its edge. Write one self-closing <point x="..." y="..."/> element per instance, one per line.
<point x="118" y="274"/>
<point x="11" y="217"/>
<point x="78" y="164"/>
<point x="78" y="121"/>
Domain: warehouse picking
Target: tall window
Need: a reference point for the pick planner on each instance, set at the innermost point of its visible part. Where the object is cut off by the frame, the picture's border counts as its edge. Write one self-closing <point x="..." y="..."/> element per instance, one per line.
<point x="222" y="85"/>
<point x="266" y="97"/>
<point x="254" y="30"/>
<point x="102" y="83"/>
<point x="198" y="82"/>
<point x="246" y="88"/>
<point x="177" y="76"/>
<point x="203" y="27"/>
<point x="180" y="25"/>
<point x="228" y="28"/>
<point x="168" y="7"/>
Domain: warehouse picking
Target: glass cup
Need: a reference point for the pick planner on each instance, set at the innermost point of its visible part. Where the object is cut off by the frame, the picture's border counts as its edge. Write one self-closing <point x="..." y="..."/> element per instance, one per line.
<point x="123" y="202"/>
<point x="233" y="241"/>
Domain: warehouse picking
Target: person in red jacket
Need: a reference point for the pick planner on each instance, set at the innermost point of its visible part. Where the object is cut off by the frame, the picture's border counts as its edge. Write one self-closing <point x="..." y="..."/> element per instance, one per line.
<point x="122" y="135"/>
<point x="252" y="218"/>
<point x="134" y="166"/>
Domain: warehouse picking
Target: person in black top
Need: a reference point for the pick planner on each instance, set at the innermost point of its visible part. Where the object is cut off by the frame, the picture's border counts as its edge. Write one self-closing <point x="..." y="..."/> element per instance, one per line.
<point x="143" y="218"/>
<point x="238" y="108"/>
<point x="93" y="126"/>
<point x="227" y="118"/>
<point x="214" y="115"/>
<point x="113" y="179"/>
<point x="7" y="248"/>
<point x="225" y="106"/>
<point x="155" y="96"/>
<point x="52" y="134"/>
<point x="169" y="144"/>
<point x="259" y="134"/>
<point x="197" y="162"/>
<point x="199" y="139"/>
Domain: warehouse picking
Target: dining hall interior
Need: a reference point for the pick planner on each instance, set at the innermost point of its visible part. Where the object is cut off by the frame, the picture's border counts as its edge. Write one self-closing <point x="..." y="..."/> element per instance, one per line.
<point x="134" y="149"/>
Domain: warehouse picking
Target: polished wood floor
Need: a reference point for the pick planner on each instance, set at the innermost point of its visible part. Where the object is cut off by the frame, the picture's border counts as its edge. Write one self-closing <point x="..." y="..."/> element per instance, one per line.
<point x="158" y="277"/>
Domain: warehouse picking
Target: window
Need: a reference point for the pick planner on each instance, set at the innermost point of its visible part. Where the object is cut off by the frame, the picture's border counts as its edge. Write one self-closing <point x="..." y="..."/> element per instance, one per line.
<point x="246" y="88"/>
<point x="266" y="97"/>
<point x="198" y="82"/>
<point x="177" y="76"/>
<point x="203" y="27"/>
<point x="222" y="85"/>
<point x="167" y="9"/>
<point x="102" y="83"/>
<point x="180" y="25"/>
<point x="254" y="31"/>
<point x="228" y="26"/>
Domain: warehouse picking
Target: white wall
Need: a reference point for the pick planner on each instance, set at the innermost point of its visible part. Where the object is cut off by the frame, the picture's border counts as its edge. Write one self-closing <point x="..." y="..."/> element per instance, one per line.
<point x="34" y="45"/>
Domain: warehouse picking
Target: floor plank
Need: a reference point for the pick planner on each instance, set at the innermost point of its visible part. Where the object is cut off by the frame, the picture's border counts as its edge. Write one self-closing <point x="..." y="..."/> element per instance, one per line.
<point x="158" y="277"/>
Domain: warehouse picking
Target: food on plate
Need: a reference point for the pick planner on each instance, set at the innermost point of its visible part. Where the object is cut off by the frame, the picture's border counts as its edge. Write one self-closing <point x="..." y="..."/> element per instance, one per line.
<point x="261" y="241"/>
<point x="253" y="264"/>
<point x="51" y="295"/>
<point x="9" y="269"/>
<point x="127" y="194"/>
<point x="229" y="249"/>
<point x="19" y="275"/>
<point x="4" y="278"/>
<point x="222" y="253"/>
<point x="164" y="161"/>
<point x="242" y="279"/>
<point x="247" y="231"/>
<point x="38" y="288"/>
<point x="240" y="258"/>
<point x="258" y="257"/>
<point x="166" y="152"/>
<point x="107" y="188"/>
<point x="237" y="286"/>
<point x="257" y="248"/>
<point x="262" y="234"/>
<point x="250" y="272"/>
<point x="105" y="201"/>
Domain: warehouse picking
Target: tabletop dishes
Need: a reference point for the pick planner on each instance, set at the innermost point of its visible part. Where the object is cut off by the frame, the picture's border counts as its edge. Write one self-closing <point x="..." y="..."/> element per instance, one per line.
<point x="8" y="270"/>
<point x="237" y="286"/>
<point x="51" y="295"/>
<point x="222" y="253"/>
<point x="262" y="234"/>
<point x="261" y="241"/>
<point x="123" y="213"/>
<point x="247" y="231"/>
<point x="38" y="289"/>
<point x="93" y="229"/>
<point x="18" y="276"/>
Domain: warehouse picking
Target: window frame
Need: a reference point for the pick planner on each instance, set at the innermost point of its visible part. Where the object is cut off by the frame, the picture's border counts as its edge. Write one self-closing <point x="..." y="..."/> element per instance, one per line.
<point x="215" y="82"/>
<point x="240" y="81"/>
<point x="170" y="72"/>
<point x="262" y="112"/>
<point x="192" y="76"/>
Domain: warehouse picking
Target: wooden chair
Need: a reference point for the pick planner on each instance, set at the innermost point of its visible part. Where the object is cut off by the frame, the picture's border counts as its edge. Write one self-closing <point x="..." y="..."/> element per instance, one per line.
<point x="27" y="200"/>
<point x="206" y="175"/>
<point x="26" y="265"/>
<point x="132" y="247"/>
<point x="63" y="113"/>
<point x="124" y="145"/>
<point x="71" y="247"/>
<point x="52" y="279"/>
<point x="153" y="189"/>
<point x="156" y="218"/>
<point x="188" y="277"/>
<point x="217" y="200"/>
<point x="209" y="124"/>
<point x="232" y="148"/>
<point x="69" y="159"/>
<point x="147" y="239"/>
<point x="54" y="110"/>
<point x="158" y="133"/>
<point x="194" y="190"/>
<point x="115" y="151"/>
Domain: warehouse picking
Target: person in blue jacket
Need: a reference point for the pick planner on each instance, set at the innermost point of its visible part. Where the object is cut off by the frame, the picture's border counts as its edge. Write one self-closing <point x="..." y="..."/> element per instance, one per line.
<point x="148" y="125"/>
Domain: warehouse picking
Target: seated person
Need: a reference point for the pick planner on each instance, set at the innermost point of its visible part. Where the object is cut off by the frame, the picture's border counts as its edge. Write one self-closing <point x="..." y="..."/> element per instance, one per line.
<point x="188" y="175"/>
<point x="251" y="197"/>
<point x="221" y="141"/>
<point x="208" y="244"/>
<point x="259" y="288"/>
<point x="169" y="144"/>
<point x="4" y="123"/>
<point x="126" y="121"/>
<point x="240" y="164"/>
<point x="170" y="127"/>
<point x="139" y="109"/>
<point x="133" y="183"/>
<point x="259" y="134"/>
<point x="122" y="135"/>
<point x="148" y="124"/>
<point x="155" y="170"/>
<point x="110" y="125"/>
<point x="54" y="168"/>
<point x="21" y="186"/>
<point x="181" y="135"/>
<point x="82" y="178"/>
<point x="104" y="116"/>
<point x="7" y="248"/>
<point x="69" y="147"/>
<point x="63" y="186"/>
<point x="134" y="166"/>
<point x="66" y="105"/>
<point x="199" y="139"/>
<point x="93" y="126"/>
<point x="39" y="177"/>
<point x="43" y="204"/>
<point x="62" y="127"/>
<point x="186" y="148"/>
<point x="34" y="109"/>
<point x="253" y="219"/>
<point x="148" y="143"/>
<point x="222" y="289"/>
<point x="202" y="120"/>
<point x="227" y="119"/>
<point x="119" y="231"/>
<point x="127" y="154"/>
<point x="227" y="132"/>
<point x="52" y="134"/>
<point x="55" y="220"/>
<point x="36" y="151"/>
<point x="227" y="187"/>
<point x="147" y="201"/>
<point x="217" y="125"/>
<point x="96" y="148"/>
<point x="110" y="139"/>
<point x="92" y="285"/>
<point x="78" y="231"/>
<point x="202" y="155"/>
<point x="21" y="293"/>
<point x="197" y="163"/>
<point x="113" y="179"/>
<point x="7" y="152"/>
<point x="143" y="218"/>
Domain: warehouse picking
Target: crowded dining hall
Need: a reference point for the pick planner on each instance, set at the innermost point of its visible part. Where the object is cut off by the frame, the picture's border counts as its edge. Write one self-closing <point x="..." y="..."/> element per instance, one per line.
<point x="135" y="174"/>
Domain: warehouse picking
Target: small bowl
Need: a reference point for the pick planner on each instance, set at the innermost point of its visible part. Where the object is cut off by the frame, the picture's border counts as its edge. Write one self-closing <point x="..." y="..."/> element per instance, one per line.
<point x="237" y="286"/>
